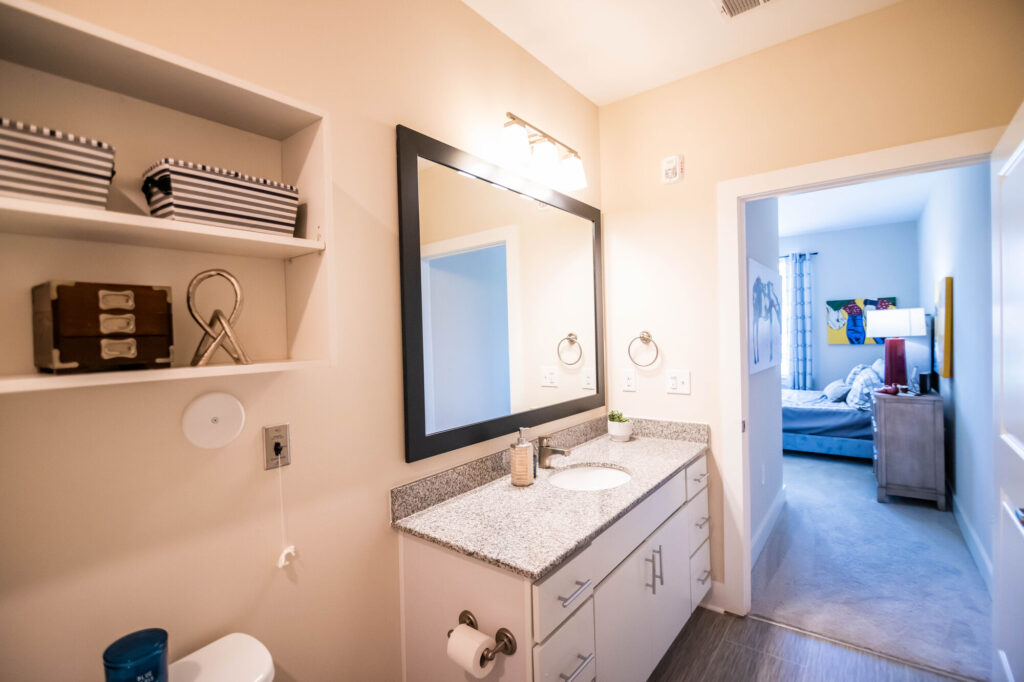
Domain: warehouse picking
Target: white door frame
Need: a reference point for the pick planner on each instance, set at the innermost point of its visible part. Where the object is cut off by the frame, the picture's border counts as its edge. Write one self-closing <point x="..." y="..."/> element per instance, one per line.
<point x="733" y="594"/>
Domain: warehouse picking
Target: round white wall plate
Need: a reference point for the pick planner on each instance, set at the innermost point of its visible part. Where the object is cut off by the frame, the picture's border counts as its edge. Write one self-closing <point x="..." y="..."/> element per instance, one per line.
<point x="213" y="420"/>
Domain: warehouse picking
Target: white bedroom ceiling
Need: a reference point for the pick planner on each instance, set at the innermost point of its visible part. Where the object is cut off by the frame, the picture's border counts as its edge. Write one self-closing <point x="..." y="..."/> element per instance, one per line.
<point x="879" y="202"/>
<point x="611" y="49"/>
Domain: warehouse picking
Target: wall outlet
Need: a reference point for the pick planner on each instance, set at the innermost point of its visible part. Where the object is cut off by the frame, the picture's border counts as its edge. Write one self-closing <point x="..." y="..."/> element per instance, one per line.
<point x="677" y="381"/>
<point x="549" y="376"/>
<point x="277" y="448"/>
<point x="629" y="380"/>
<point x="588" y="382"/>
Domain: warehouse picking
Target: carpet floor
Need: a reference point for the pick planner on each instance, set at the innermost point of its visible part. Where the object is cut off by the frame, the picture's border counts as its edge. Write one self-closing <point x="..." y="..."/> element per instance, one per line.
<point x="895" y="578"/>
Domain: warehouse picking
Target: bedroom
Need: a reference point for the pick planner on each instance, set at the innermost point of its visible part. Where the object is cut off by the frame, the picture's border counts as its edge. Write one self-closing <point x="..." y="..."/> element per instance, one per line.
<point x="898" y="561"/>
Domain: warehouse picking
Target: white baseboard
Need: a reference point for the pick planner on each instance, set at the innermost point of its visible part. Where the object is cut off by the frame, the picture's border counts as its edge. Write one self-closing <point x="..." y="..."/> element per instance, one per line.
<point x="767" y="525"/>
<point x="712" y="602"/>
<point x="981" y="558"/>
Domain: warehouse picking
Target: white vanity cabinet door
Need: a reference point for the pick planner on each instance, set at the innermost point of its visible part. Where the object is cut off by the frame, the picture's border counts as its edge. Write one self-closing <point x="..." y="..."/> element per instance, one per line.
<point x="698" y="521"/>
<point x="696" y="477"/>
<point x="700" y="575"/>
<point x="671" y="604"/>
<point x="569" y="653"/>
<point x="622" y="621"/>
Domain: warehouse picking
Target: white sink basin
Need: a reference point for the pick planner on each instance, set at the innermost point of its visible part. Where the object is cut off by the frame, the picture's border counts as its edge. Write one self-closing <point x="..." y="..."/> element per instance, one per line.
<point x="589" y="478"/>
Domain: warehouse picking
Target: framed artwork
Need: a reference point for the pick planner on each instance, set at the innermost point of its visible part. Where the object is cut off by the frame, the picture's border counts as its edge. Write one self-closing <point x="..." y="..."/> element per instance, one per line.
<point x="944" y="327"/>
<point x="845" y="319"/>
<point x="764" y="316"/>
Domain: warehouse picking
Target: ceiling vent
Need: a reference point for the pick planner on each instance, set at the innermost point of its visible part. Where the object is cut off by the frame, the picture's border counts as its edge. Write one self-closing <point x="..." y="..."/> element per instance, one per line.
<point x="731" y="8"/>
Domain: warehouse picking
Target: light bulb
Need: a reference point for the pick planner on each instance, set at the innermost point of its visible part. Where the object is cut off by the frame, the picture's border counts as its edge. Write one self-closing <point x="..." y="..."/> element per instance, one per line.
<point x="545" y="164"/>
<point x="515" y="140"/>
<point x="573" y="176"/>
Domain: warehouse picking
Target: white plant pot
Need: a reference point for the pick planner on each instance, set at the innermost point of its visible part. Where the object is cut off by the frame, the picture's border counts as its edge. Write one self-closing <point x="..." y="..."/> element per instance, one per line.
<point x="620" y="431"/>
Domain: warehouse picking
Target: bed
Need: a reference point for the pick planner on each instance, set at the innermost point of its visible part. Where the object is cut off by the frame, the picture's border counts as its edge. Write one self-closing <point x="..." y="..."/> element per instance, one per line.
<point x="810" y="423"/>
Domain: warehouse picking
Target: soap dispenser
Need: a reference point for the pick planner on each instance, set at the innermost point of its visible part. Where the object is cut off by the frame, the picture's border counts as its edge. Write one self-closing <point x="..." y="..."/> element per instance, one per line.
<point x="523" y="471"/>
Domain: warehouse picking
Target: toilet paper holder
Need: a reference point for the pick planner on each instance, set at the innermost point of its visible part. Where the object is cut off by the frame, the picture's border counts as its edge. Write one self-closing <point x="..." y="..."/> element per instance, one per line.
<point x="505" y="640"/>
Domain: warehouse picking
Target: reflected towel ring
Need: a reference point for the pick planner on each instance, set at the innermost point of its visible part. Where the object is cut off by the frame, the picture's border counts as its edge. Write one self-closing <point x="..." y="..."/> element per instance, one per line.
<point x="646" y="338"/>
<point x="573" y="341"/>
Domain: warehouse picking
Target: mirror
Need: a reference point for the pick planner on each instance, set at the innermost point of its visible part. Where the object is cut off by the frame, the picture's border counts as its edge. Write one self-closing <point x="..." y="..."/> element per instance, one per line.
<point x="501" y="299"/>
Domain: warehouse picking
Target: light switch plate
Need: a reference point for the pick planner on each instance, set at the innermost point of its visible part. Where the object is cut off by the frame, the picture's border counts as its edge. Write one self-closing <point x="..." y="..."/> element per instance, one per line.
<point x="629" y="380"/>
<point x="549" y="376"/>
<point x="671" y="169"/>
<point x="677" y="381"/>
<point x="588" y="382"/>
<point x="277" y="447"/>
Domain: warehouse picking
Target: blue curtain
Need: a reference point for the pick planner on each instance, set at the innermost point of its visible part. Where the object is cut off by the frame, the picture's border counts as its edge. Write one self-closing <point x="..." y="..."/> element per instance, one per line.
<point x="797" y="319"/>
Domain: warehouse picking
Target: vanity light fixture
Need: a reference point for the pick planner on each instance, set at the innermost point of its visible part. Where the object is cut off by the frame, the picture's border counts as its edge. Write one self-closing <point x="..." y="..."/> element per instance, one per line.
<point x="550" y="160"/>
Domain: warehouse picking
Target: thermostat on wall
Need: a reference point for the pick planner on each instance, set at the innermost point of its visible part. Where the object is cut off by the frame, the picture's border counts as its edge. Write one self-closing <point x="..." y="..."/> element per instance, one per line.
<point x="671" y="169"/>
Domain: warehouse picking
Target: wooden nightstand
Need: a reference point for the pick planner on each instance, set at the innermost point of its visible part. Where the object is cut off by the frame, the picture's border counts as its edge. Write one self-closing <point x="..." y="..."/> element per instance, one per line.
<point x="910" y="455"/>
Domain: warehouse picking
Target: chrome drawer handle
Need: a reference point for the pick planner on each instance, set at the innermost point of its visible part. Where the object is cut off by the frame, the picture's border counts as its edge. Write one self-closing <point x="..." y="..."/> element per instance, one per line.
<point x="700" y="479"/>
<point x="125" y="300"/>
<point x="654" y="575"/>
<point x="703" y="522"/>
<point x="579" y="590"/>
<point x="703" y="579"/>
<point x="579" y="669"/>
<point x="117" y="324"/>
<point x="661" y="566"/>
<point x="118" y="348"/>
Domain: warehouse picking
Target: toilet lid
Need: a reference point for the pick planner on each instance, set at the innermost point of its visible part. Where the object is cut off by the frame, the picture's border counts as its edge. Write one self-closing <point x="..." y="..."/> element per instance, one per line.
<point x="233" y="658"/>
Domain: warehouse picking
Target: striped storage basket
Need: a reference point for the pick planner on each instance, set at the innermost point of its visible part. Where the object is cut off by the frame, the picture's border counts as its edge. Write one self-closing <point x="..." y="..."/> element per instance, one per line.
<point x="48" y="165"/>
<point x="203" y="194"/>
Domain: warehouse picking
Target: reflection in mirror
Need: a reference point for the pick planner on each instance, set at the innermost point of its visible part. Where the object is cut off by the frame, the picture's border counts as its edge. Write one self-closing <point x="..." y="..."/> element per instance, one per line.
<point x="505" y="281"/>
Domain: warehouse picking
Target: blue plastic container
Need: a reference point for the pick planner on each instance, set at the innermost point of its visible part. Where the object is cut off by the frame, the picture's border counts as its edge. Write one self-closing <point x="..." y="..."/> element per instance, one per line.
<point x="138" y="657"/>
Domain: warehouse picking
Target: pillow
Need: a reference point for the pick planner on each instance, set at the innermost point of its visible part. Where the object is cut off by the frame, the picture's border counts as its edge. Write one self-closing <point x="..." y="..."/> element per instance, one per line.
<point x="879" y="367"/>
<point x="862" y="388"/>
<point x="836" y="391"/>
<point x="853" y="373"/>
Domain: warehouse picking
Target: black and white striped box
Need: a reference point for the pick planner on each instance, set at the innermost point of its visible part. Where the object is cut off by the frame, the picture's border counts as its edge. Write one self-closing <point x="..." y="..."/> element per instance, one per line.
<point x="49" y="165"/>
<point x="181" y="190"/>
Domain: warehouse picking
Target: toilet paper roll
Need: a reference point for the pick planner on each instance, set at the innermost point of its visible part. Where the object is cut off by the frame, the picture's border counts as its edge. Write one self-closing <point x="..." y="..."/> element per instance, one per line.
<point x="466" y="648"/>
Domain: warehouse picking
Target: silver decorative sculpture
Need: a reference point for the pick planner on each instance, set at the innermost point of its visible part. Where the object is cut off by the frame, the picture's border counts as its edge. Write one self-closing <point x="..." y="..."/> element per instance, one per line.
<point x="219" y="332"/>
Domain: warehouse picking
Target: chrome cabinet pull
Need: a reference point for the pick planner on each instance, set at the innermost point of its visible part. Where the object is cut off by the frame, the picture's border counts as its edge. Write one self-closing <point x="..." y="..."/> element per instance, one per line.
<point x="118" y="348"/>
<point x="703" y="522"/>
<point x="661" y="566"/>
<point x="703" y="579"/>
<point x="579" y="590"/>
<point x="654" y="576"/>
<point x="117" y="324"/>
<point x="579" y="669"/>
<point x="124" y="300"/>
<point x="700" y="479"/>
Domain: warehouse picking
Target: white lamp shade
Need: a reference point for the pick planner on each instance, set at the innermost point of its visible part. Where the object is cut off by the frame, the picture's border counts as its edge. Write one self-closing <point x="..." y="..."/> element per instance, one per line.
<point x="545" y="164"/>
<point x="573" y="176"/>
<point x="895" y="322"/>
<point x="515" y="141"/>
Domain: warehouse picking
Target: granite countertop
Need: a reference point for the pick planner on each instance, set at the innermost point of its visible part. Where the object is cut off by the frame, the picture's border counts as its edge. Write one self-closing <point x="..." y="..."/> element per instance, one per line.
<point x="531" y="531"/>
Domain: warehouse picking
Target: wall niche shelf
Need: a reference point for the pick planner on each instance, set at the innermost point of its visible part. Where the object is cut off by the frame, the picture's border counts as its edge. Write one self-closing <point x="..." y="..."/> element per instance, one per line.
<point x="67" y="74"/>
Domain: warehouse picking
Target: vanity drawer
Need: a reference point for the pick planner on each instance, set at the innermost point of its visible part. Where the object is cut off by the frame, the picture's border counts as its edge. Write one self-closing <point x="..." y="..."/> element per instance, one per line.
<point x="699" y="521"/>
<point x="696" y="477"/>
<point x="559" y="594"/>
<point x="569" y="653"/>
<point x="700" y="575"/>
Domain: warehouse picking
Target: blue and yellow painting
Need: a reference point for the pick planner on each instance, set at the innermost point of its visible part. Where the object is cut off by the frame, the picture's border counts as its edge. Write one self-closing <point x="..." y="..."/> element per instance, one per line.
<point x="845" y="319"/>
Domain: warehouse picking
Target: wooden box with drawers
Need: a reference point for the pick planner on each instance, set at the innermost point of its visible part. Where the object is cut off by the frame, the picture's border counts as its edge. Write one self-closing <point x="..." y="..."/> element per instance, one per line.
<point x="91" y="327"/>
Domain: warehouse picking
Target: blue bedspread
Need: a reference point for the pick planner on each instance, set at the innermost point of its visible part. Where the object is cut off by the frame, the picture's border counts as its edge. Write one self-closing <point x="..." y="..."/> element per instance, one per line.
<point x="811" y="413"/>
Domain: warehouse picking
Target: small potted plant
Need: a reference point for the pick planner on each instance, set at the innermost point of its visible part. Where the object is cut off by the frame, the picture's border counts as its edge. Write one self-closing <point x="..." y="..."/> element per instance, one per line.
<point x="619" y="426"/>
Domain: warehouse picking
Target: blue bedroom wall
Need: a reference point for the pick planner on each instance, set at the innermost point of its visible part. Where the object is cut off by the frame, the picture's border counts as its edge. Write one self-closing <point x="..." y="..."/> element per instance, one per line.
<point x="955" y="240"/>
<point x="880" y="260"/>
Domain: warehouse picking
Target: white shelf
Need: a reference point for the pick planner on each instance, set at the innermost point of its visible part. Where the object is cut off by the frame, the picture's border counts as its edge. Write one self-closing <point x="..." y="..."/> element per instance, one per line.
<point x="28" y="383"/>
<point x="66" y="221"/>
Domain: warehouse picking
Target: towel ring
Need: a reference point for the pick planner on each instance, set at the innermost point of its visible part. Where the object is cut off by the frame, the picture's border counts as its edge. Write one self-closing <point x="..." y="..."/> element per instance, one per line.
<point x="573" y="341"/>
<point x="645" y="338"/>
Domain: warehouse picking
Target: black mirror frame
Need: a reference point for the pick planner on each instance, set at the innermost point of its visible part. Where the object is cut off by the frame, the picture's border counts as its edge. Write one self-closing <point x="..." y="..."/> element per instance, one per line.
<point x="418" y="444"/>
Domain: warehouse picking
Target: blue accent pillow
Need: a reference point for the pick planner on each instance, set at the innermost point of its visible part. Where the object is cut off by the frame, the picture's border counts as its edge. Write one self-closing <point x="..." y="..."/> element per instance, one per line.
<point x="857" y="369"/>
<point x="836" y="391"/>
<point x="862" y="388"/>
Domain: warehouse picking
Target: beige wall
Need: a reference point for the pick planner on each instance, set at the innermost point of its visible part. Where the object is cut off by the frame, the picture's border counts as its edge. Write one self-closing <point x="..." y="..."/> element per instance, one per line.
<point x="112" y="522"/>
<point x="914" y="71"/>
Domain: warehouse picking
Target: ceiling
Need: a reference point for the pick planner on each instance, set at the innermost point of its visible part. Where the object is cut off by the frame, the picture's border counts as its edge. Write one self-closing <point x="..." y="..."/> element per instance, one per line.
<point x="879" y="202"/>
<point x="611" y="49"/>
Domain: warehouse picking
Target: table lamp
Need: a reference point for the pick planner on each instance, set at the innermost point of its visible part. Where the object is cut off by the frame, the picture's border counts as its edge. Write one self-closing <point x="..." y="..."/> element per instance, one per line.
<point x="893" y="324"/>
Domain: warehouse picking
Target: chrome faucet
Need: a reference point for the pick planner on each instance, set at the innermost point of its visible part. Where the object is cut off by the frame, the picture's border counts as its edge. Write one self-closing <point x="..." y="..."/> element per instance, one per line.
<point x="545" y="452"/>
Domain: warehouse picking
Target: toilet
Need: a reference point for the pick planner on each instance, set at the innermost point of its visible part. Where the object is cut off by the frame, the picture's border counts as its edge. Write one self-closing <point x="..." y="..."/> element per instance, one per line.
<point x="232" y="658"/>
